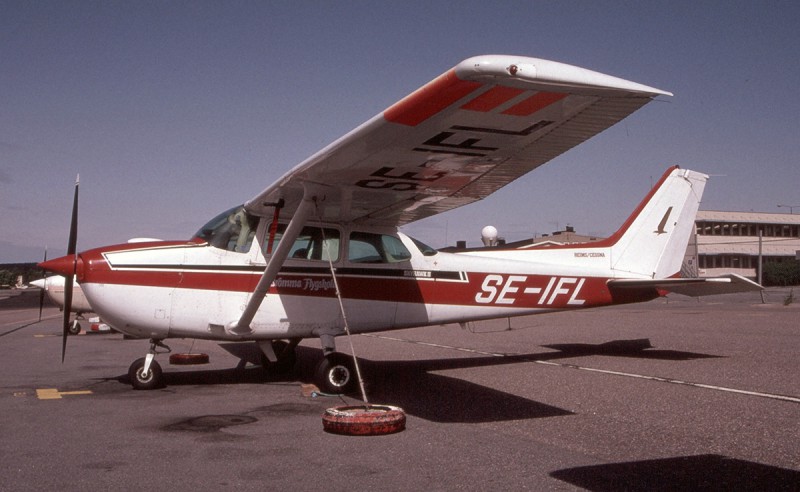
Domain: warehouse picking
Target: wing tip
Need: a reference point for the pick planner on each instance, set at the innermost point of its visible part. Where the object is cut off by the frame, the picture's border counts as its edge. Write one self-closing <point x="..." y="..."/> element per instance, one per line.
<point x="547" y="72"/>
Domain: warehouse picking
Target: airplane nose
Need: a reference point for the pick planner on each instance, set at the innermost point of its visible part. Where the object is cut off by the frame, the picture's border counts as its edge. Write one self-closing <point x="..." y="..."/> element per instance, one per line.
<point x="64" y="265"/>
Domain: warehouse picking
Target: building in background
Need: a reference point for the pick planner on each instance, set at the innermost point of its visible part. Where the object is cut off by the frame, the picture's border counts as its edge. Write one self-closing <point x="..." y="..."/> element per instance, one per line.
<point x="728" y="242"/>
<point x="724" y="242"/>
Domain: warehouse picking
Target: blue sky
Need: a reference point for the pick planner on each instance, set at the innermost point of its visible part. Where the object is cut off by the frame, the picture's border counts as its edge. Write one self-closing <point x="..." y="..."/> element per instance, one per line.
<point x="174" y="111"/>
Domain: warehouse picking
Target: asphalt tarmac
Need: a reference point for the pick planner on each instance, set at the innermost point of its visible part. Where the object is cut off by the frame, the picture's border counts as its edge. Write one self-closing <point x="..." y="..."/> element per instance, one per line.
<point x="669" y="395"/>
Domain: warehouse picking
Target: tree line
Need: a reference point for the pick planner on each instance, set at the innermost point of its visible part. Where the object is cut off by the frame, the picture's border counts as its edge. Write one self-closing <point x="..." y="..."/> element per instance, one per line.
<point x="10" y="272"/>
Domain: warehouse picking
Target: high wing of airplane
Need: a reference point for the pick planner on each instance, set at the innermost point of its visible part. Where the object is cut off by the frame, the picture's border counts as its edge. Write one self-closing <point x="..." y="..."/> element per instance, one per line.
<point x="318" y="253"/>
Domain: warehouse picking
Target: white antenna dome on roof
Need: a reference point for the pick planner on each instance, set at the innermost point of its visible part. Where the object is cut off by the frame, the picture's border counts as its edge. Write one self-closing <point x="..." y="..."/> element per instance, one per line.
<point x="489" y="235"/>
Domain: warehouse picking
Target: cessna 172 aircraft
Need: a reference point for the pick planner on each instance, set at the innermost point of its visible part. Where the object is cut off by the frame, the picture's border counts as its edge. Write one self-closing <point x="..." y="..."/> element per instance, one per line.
<point x="318" y="253"/>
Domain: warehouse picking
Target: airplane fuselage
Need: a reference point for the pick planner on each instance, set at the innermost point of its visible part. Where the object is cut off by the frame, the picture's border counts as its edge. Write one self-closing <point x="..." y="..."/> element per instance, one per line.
<point x="192" y="289"/>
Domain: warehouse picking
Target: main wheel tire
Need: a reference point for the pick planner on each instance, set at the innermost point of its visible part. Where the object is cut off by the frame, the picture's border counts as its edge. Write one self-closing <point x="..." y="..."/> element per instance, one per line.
<point x="336" y="374"/>
<point x="287" y="358"/>
<point x="364" y="420"/>
<point x="153" y="380"/>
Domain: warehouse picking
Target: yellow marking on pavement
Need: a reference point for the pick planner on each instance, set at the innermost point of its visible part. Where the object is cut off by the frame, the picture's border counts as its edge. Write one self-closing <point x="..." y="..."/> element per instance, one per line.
<point x="47" y="335"/>
<point x="54" y="394"/>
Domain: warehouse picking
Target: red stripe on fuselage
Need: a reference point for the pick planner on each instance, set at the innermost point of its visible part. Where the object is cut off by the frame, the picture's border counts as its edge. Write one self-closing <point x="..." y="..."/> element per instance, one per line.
<point x="482" y="289"/>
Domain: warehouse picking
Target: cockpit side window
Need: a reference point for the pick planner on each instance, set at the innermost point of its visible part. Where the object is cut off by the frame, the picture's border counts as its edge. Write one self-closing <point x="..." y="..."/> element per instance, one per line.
<point x="232" y="230"/>
<point x="365" y="247"/>
<point x="313" y="243"/>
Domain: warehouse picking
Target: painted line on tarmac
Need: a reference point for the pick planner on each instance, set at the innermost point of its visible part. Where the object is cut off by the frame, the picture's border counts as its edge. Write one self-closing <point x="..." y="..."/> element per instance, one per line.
<point x="674" y="381"/>
<point x="31" y="320"/>
<point x="435" y="345"/>
<point x="24" y="323"/>
<point x="759" y="394"/>
<point x="54" y="394"/>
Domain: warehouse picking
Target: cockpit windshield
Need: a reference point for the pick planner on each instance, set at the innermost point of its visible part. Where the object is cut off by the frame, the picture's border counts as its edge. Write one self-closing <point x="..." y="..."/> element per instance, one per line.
<point x="232" y="230"/>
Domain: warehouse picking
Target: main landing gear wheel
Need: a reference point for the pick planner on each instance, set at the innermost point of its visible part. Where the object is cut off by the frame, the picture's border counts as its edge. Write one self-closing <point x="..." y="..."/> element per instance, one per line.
<point x="364" y="420"/>
<point x="140" y="381"/>
<point x="336" y="374"/>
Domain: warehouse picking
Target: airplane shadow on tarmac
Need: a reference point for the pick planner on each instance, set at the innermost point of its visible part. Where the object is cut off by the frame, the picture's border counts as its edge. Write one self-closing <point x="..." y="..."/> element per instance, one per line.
<point x="701" y="472"/>
<point x="638" y="348"/>
<point x="414" y="386"/>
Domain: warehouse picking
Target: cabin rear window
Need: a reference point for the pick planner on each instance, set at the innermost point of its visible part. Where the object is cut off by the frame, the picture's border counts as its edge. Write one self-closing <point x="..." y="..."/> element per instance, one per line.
<point x="366" y="247"/>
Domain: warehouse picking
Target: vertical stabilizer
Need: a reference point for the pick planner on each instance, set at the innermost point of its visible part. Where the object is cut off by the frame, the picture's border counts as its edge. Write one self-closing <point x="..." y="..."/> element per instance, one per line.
<point x="653" y="240"/>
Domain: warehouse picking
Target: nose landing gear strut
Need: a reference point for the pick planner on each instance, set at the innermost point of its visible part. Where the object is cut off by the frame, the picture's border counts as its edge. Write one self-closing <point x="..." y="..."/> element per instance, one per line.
<point x="145" y="373"/>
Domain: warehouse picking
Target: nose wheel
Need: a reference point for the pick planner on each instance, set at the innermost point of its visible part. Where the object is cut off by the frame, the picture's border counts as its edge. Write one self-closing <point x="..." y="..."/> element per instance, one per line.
<point x="145" y="373"/>
<point x="74" y="327"/>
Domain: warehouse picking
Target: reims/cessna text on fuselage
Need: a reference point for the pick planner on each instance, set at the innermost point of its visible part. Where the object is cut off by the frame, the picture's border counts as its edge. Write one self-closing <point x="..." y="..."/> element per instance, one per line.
<point x="320" y="250"/>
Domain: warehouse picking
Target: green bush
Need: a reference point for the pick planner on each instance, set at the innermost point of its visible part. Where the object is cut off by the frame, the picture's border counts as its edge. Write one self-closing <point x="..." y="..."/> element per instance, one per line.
<point x="7" y="277"/>
<point x="782" y="274"/>
<point x="10" y="271"/>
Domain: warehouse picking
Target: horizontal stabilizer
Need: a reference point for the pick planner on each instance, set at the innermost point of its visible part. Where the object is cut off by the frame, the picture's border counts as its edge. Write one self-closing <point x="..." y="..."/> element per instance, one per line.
<point x="693" y="287"/>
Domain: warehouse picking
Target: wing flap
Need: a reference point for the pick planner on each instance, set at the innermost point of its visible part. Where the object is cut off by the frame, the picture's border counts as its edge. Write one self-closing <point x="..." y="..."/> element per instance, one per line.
<point x="459" y="138"/>
<point x="693" y="287"/>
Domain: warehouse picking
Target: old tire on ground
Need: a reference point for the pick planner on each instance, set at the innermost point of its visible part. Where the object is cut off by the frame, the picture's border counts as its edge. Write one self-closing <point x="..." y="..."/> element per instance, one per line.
<point x="188" y="359"/>
<point x="153" y="380"/>
<point x="336" y="374"/>
<point x="364" y="420"/>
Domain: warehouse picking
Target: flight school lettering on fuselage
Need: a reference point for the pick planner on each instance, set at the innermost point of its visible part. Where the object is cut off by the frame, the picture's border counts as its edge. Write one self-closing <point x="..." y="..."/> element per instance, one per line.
<point x="507" y="289"/>
<point x="308" y="284"/>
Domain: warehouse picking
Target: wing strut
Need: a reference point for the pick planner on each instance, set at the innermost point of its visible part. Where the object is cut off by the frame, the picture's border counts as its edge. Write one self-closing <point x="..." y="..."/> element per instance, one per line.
<point x="242" y="327"/>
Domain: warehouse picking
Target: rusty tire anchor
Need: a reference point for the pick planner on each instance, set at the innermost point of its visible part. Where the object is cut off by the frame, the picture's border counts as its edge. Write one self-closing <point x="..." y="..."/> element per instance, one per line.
<point x="364" y="420"/>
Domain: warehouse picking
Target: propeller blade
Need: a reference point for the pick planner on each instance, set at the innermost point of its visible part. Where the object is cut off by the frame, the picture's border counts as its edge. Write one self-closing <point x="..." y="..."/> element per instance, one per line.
<point x="70" y="278"/>
<point x="41" y="292"/>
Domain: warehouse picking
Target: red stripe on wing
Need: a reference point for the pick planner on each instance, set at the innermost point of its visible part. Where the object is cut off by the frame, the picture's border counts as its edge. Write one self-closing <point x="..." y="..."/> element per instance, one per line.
<point x="430" y="99"/>
<point x="492" y="98"/>
<point x="535" y="103"/>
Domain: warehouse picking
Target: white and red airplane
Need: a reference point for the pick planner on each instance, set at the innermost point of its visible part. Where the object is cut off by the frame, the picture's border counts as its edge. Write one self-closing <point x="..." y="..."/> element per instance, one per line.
<point x="318" y="252"/>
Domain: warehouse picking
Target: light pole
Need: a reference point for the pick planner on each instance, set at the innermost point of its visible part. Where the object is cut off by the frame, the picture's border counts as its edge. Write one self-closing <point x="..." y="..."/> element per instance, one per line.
<point x="790" y="207"/>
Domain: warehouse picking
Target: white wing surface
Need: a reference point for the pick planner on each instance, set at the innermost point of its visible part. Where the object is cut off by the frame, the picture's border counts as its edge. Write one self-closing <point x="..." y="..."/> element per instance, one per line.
<point x="459" y="138"/>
